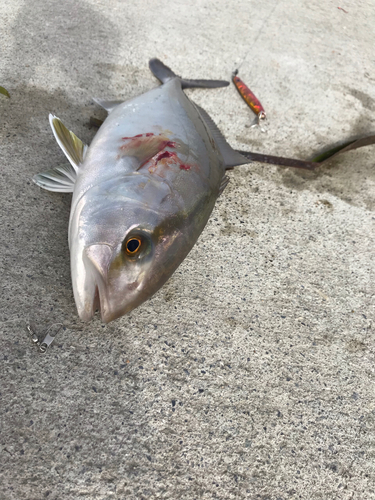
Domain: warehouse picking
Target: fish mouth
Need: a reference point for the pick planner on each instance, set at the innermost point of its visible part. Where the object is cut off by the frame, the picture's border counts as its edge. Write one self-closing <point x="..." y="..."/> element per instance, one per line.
<point x="112" y="298"/>
<point x="87" y="310"/>
<point x="96" y="304"/>
<point x="96" y="301"/>
<point x="100" y="305"/>
<point x="91" y="293"/>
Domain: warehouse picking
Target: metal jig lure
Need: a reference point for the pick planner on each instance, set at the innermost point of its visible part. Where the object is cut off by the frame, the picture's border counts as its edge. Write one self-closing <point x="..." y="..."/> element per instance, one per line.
<point x="250" y="98"/>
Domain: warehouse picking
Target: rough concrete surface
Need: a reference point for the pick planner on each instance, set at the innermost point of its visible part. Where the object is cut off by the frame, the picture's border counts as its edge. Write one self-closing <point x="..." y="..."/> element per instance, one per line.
<point x="251" y="373"/>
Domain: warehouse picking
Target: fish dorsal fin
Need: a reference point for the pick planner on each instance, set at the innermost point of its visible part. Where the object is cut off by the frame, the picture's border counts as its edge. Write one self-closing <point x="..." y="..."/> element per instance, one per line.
<point x="73" y="147"/>
<point x="106" y="104"/>
<point x="231" y="157"/>
<point x="164" y="74"/>
<point x="160" y="70"/>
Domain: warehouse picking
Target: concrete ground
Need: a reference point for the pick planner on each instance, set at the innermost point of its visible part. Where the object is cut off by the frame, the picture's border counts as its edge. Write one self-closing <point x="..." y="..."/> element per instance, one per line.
<point x="251" y="373"/>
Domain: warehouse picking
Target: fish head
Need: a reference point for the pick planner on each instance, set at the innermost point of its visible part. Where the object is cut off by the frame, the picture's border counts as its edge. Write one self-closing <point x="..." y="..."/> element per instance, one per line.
<point x="122" y="253"/>
<point x="121" y="269"/>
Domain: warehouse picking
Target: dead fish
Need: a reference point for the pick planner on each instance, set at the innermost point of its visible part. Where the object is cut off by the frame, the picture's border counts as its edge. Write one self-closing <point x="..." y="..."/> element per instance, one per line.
<point x="144" y="190"/>
<point x="142" y="193"/>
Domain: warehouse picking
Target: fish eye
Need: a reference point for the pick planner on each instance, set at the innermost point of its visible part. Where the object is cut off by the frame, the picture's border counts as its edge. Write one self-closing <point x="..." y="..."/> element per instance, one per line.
<point x="133" y="245"/>
<point x="137" y="244"/>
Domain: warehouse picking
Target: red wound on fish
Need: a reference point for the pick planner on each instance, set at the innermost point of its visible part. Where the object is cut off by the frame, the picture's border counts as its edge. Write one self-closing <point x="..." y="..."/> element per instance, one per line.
<point x="176" y="160"/>
<point x="150" y="150"/>
<point x="165" y="154"/>
<point x="165" y="160"/>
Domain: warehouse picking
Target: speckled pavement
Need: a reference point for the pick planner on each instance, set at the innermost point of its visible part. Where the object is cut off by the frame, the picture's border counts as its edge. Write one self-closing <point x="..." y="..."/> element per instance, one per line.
<point x="250" y="374"/>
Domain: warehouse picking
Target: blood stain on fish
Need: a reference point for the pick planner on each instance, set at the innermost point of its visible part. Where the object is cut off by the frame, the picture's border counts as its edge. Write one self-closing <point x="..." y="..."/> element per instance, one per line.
<point x="144" y="146"/>
<point x="149" y="149"/>
<point x="166" y="154"/>
<point x="165" y="160"/>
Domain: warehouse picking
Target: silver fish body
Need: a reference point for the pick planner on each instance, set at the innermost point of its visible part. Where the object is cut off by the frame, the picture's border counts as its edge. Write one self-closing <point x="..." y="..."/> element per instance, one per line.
<point x="143" y="193"/>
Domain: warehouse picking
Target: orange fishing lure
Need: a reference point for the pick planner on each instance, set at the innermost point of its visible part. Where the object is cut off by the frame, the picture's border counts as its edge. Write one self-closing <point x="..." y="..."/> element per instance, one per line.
<point x="249" y="97"/>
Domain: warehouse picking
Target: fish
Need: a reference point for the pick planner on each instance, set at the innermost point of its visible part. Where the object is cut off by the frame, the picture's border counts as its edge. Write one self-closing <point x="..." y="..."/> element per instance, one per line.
<point x="143" y="192"/>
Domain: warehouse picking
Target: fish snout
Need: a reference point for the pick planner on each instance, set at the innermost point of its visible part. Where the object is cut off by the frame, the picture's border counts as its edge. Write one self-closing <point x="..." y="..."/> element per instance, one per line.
<point x="92" y="295"/>
<point x="100" y="257"/>
<point x="102" y="290"/>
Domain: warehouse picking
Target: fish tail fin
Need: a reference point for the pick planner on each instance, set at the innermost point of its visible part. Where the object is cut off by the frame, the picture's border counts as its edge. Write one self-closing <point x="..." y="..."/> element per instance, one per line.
<point x="164" y="74"/>
<point x="318" y="160"/>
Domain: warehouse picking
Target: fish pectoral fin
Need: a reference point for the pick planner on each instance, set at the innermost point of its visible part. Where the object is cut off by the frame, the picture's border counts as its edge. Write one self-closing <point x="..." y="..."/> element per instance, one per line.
<point x="60" y="179"/>
<point x="73" y="147"/>
<point x="164" y="74"/>
<point x="231" y="157"/>
<point x="107" y="104"/>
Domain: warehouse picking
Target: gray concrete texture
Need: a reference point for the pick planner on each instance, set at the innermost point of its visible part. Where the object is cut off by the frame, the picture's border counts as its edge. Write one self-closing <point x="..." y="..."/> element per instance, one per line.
<point x="251" y="373"/>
